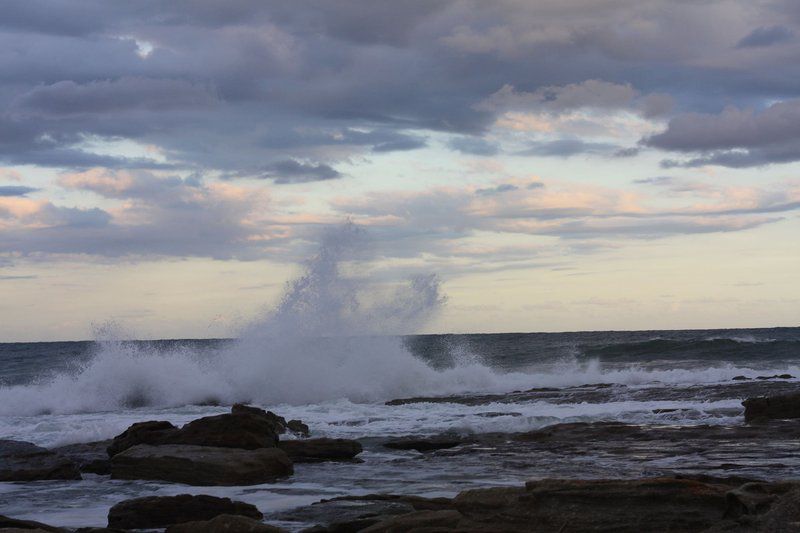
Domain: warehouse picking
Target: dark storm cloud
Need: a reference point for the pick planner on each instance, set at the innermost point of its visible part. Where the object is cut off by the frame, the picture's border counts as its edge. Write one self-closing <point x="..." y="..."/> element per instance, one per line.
<point x="16" y="190"/>
<point x="222" y="85"/>
<point x="293" y="91"/>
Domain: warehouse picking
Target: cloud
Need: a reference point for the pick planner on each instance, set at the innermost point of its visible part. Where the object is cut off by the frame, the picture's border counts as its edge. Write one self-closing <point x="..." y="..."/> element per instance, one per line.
<point x="597" y="94"/>
<point x="656" y="180"/>
<point x="473" y="146"/>
<point x="67" y="98"/>
<point x="156" y="216"/>
<point x="229" y="88"/>
<point x="766" y="36"/>
<point x="568" y="148"/>
<point x="735" y="137"/>
<point x="578" y="214"/>
<point x="631" y="151"/>
<point x="503" y="187"/>
<point x="400" y="145"/>
<point x="16" y="190"/>
<point x="291" y="171"/>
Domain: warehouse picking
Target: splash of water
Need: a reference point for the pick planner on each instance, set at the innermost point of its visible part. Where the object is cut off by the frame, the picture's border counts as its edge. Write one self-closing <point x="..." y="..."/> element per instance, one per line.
<point x="331" y="336"/>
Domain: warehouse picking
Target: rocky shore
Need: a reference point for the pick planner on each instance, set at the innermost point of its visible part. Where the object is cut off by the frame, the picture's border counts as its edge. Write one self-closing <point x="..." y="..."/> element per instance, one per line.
<point x="690" y="478"/>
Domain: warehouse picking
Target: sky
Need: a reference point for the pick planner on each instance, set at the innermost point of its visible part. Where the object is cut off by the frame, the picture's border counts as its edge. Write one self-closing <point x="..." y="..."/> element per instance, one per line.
<point x="560" y="165"/>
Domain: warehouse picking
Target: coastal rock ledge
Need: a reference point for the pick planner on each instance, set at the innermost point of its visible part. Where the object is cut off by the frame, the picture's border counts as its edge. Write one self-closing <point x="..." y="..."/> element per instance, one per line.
<point x="772" y="407"/>
<point x="162" y="511"/>
<point x="654" y="505"/>
<point x="23" y="461"/>
<point x="201" y="465"/>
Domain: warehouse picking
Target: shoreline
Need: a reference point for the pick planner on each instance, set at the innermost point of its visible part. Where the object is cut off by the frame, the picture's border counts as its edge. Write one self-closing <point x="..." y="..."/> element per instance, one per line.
<point x="725" y="457"/>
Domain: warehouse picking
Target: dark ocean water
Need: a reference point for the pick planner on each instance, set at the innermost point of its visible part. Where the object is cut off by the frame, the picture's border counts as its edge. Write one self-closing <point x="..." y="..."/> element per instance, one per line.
<point x="760" y="348"/>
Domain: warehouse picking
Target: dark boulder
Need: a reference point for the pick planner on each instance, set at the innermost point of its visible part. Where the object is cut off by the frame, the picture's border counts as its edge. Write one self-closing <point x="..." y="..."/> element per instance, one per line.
<point x="772" y="407"/>
<point x="162" y="511"/>
<point x="90" y="457"/>
<point x="279" y="424"/>
<point x="201" y="465"/>
<point x="224" y="524"/>
<point x="241" y="430"/>
<point x="298" y="428"/>
<point x="316" y="450"/>
<point x="23" y="461"/>
<point x="151" y="432"/>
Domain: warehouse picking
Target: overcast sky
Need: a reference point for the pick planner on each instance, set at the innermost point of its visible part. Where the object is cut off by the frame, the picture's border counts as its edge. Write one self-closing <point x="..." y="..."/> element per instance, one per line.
<point x="561" y="165"/>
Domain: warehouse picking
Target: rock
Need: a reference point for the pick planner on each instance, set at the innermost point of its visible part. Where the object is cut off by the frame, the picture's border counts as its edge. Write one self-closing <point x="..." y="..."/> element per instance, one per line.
<point x="772" y="507"/>
<point x="344" y="515"/>
<point x="151" y="432"/>
<point x="201" y="465"/>
<point x="658" y="504"/>
<point x="23" y="461"/>
<point x="224" y="524"/>
<point x="784" y="515"/>
<point x="775" y="376"/>
<point x="162" y="511"/>
<point x="237" y="430"/>
<point x="297" y="427"/>
<point x="316" y="450"/>
<point x="246" y="427"/>
<point x="12" y="524"/>
<point x="278" y="423"/>
<point x="740" y="378"/>
<point x="88" y="456"/>
<point x="424" y="444"/>
<point x="419" y="521"/>
<point x="772" y="407"/>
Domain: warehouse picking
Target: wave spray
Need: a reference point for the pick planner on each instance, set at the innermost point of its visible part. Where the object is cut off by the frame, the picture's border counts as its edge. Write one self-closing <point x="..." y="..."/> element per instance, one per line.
<point x="330" y="337"/>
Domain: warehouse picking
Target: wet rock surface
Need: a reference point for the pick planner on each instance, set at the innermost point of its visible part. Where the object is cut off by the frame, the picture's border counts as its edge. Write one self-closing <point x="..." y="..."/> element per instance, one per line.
<point x="201" y="465"/>
<point x="316" y="450"/>
<point x="161" y="511"/>
<point x="90" y="457"/>
<point x="151" y="432"/>
<point x="23" y="461"/>
<point x="605" y="392"/>
<point x="781" y="406"/>
<point x="555" y="506"/>
<point x="11" y="524"/>
<point x="603" y="448"/>
<point x="224" y="524"/>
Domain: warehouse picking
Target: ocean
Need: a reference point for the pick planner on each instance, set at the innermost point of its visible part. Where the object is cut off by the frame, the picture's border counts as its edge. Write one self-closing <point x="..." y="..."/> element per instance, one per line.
<point x="486" y="386"/>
